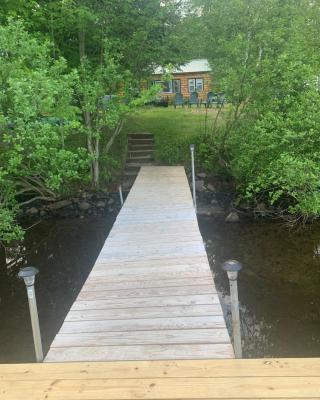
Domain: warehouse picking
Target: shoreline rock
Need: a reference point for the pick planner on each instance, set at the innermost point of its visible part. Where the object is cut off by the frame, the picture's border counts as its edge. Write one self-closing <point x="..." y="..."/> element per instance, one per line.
<point x="232" y="217"/>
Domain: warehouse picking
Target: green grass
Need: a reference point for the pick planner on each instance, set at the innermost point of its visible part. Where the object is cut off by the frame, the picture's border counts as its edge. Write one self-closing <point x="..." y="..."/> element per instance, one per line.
<point x="174" y="129"/>
<point x="170" y="121"/>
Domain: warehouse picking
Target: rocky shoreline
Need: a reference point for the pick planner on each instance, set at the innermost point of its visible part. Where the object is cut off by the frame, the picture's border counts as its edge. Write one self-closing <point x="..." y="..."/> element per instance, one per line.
<point x="84" y="204"/>
<point x="214" y="200"/>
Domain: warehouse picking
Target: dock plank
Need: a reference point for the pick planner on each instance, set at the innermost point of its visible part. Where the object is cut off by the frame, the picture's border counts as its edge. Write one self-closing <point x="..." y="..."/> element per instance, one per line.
<point x="160" y="380"/>
<point x="142" y="337"/>
<point x="144" y="312"/>
<point x="150" y="294"/>
<point x="144" y="352"/>
<point x="142" y="324"/>
<point x="167" y="301"/>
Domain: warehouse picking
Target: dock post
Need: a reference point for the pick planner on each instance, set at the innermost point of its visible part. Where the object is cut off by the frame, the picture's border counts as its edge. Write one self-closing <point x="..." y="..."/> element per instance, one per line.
<point x="193" y="177"/>
<point x="232" y="267"/>
<point x="28" y="275"/>
<point x="121" y="196"/>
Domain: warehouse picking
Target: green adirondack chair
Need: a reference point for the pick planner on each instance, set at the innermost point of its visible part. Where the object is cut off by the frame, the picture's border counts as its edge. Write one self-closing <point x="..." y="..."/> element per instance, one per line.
<point x="211" y="99"/>
<point x="221" y="99"/>
<point x="178" y="100"/>
<point x="193" y="99"/>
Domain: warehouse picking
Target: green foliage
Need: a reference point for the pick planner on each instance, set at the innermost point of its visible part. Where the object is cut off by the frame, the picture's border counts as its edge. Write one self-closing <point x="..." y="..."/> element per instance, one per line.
<point x="49" y="112"/>
<point x="279" y="157"/>
<point x="264" y="58"/>
<point x="175" y="130"/>
<point x="143" y="32"/>
<point x="106" y="95"/>
<point x="36" y="116"/>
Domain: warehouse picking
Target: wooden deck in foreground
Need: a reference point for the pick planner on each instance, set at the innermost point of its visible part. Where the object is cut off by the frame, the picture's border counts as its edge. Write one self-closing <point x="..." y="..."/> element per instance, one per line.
<point x="150" y="294"/>
<point x="153" y="380"/>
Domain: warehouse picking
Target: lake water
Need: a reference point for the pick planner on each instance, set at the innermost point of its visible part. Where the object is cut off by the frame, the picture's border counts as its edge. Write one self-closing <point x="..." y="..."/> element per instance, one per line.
<point x="278" y="287"/>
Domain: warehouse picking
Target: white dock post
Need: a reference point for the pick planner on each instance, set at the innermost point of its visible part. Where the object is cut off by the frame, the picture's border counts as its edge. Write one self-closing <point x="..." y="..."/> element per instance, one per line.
<point x="193" y="178"/>
<point x="121" y="196"/>
<point x="28" y="275"/>
<point x="232" y="267"/>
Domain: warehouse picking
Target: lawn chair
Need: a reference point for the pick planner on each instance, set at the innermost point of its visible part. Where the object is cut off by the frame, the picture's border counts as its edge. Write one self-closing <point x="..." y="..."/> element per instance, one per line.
<point x="221" y="99"/>
<point x="193" y="99"/>
<point x="178" y="100"/>
<point x="211" y="99"/>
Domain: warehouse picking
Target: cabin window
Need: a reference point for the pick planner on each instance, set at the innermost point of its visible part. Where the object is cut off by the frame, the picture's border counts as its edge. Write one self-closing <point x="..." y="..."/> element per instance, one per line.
<point x="167" y="86"/>
<point x="195" y="85"/>
<point x="176" y="86"/>
<point x="172" y="86"/>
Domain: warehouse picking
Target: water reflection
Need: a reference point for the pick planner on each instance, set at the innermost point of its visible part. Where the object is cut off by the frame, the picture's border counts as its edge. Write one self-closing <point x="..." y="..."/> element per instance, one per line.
<point x="316" y="252"/>
<point x="278" y="287"/>
<point x="64" y="251"/>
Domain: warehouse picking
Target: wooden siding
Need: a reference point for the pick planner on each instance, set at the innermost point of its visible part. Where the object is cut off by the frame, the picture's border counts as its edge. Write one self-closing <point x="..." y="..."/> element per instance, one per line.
<point x="184" y="78"/>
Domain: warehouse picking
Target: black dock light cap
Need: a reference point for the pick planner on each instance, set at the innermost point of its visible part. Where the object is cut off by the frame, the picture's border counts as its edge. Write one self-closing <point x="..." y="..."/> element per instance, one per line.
<point x="28" y="275"/>
<point x="232" y="266"/>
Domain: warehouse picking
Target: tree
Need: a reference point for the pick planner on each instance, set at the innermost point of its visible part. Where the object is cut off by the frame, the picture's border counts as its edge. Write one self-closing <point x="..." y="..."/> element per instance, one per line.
<point x="106" y="95"/>
<point x="143" y="32"/>
<point x="37" y="114"/>
<point x="264" y="59"/>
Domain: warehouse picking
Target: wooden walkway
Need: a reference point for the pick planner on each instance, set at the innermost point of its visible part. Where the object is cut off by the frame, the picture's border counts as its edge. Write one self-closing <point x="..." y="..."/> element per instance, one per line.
<point x="150" y="295"/>
<point x="160" y="380"/>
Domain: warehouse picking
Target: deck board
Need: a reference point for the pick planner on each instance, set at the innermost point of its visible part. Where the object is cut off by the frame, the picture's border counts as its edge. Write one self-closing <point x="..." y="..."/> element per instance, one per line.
<point x="161" y="380"/>
<point x="150" y="294"/>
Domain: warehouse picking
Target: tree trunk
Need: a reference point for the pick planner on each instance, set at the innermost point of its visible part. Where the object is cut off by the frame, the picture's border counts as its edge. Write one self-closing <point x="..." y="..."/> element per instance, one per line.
<point x="114" y="135"/>
<point x="96" y="165"/>
<point x="82" y="44"/>
<point x="87" y="120"/>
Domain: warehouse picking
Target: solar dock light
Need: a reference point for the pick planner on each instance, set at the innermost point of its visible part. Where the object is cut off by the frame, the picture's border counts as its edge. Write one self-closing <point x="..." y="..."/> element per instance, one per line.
<point x="28" y="275"/>
<point x="232" y="267"/>
<point x="121" y="196"/>
<point x="192" y="146"/>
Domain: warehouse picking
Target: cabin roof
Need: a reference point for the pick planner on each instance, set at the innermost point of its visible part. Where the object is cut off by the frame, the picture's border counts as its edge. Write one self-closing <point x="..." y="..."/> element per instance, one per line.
<point x="196" y="65"/>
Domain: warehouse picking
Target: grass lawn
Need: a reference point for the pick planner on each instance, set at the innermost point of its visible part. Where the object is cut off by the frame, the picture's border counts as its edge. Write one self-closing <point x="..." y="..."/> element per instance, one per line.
<point x="173" y="129"/>
<point x="161" y="121"/>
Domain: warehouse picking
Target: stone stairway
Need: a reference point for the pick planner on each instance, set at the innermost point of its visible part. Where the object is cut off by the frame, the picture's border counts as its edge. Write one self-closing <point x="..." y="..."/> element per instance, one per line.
<point x="140" y="152"/>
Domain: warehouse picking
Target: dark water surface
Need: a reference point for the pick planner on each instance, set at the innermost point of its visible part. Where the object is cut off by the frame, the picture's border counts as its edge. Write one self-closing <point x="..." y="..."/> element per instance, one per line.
<point x="64" y="251"/>
<point x="279" y="288"/>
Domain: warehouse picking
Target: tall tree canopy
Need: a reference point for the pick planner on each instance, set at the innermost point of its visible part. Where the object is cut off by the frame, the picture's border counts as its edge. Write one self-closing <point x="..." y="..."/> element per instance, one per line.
<point x="144" y="32"/>
<point x="59" y="59"/>
<point x="265" y="56"/>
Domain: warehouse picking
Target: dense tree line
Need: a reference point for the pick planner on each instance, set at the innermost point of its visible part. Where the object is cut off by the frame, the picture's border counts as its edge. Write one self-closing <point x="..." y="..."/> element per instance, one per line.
<point x="70" y="72"/>
<point x="265" y="57"/>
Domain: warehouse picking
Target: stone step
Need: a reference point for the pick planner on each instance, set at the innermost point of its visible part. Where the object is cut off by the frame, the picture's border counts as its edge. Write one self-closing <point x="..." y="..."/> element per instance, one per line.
<point x="136" y="142"/>
<point x="140" y="136"/>
<point x="140" y="160"/>
<point x="137" y="164"/>
<point x="138" y="147"/>
<point x="139" y="153"/>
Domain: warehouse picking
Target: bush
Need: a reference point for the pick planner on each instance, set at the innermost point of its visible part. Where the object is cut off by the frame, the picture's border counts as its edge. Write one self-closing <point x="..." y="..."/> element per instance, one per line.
<point x="277" y="157"/>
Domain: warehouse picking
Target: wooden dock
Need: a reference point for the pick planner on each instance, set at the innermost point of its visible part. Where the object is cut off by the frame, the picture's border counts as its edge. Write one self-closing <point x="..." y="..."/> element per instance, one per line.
<point x="160" y="380"/>
<point x="150" y="294"/>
